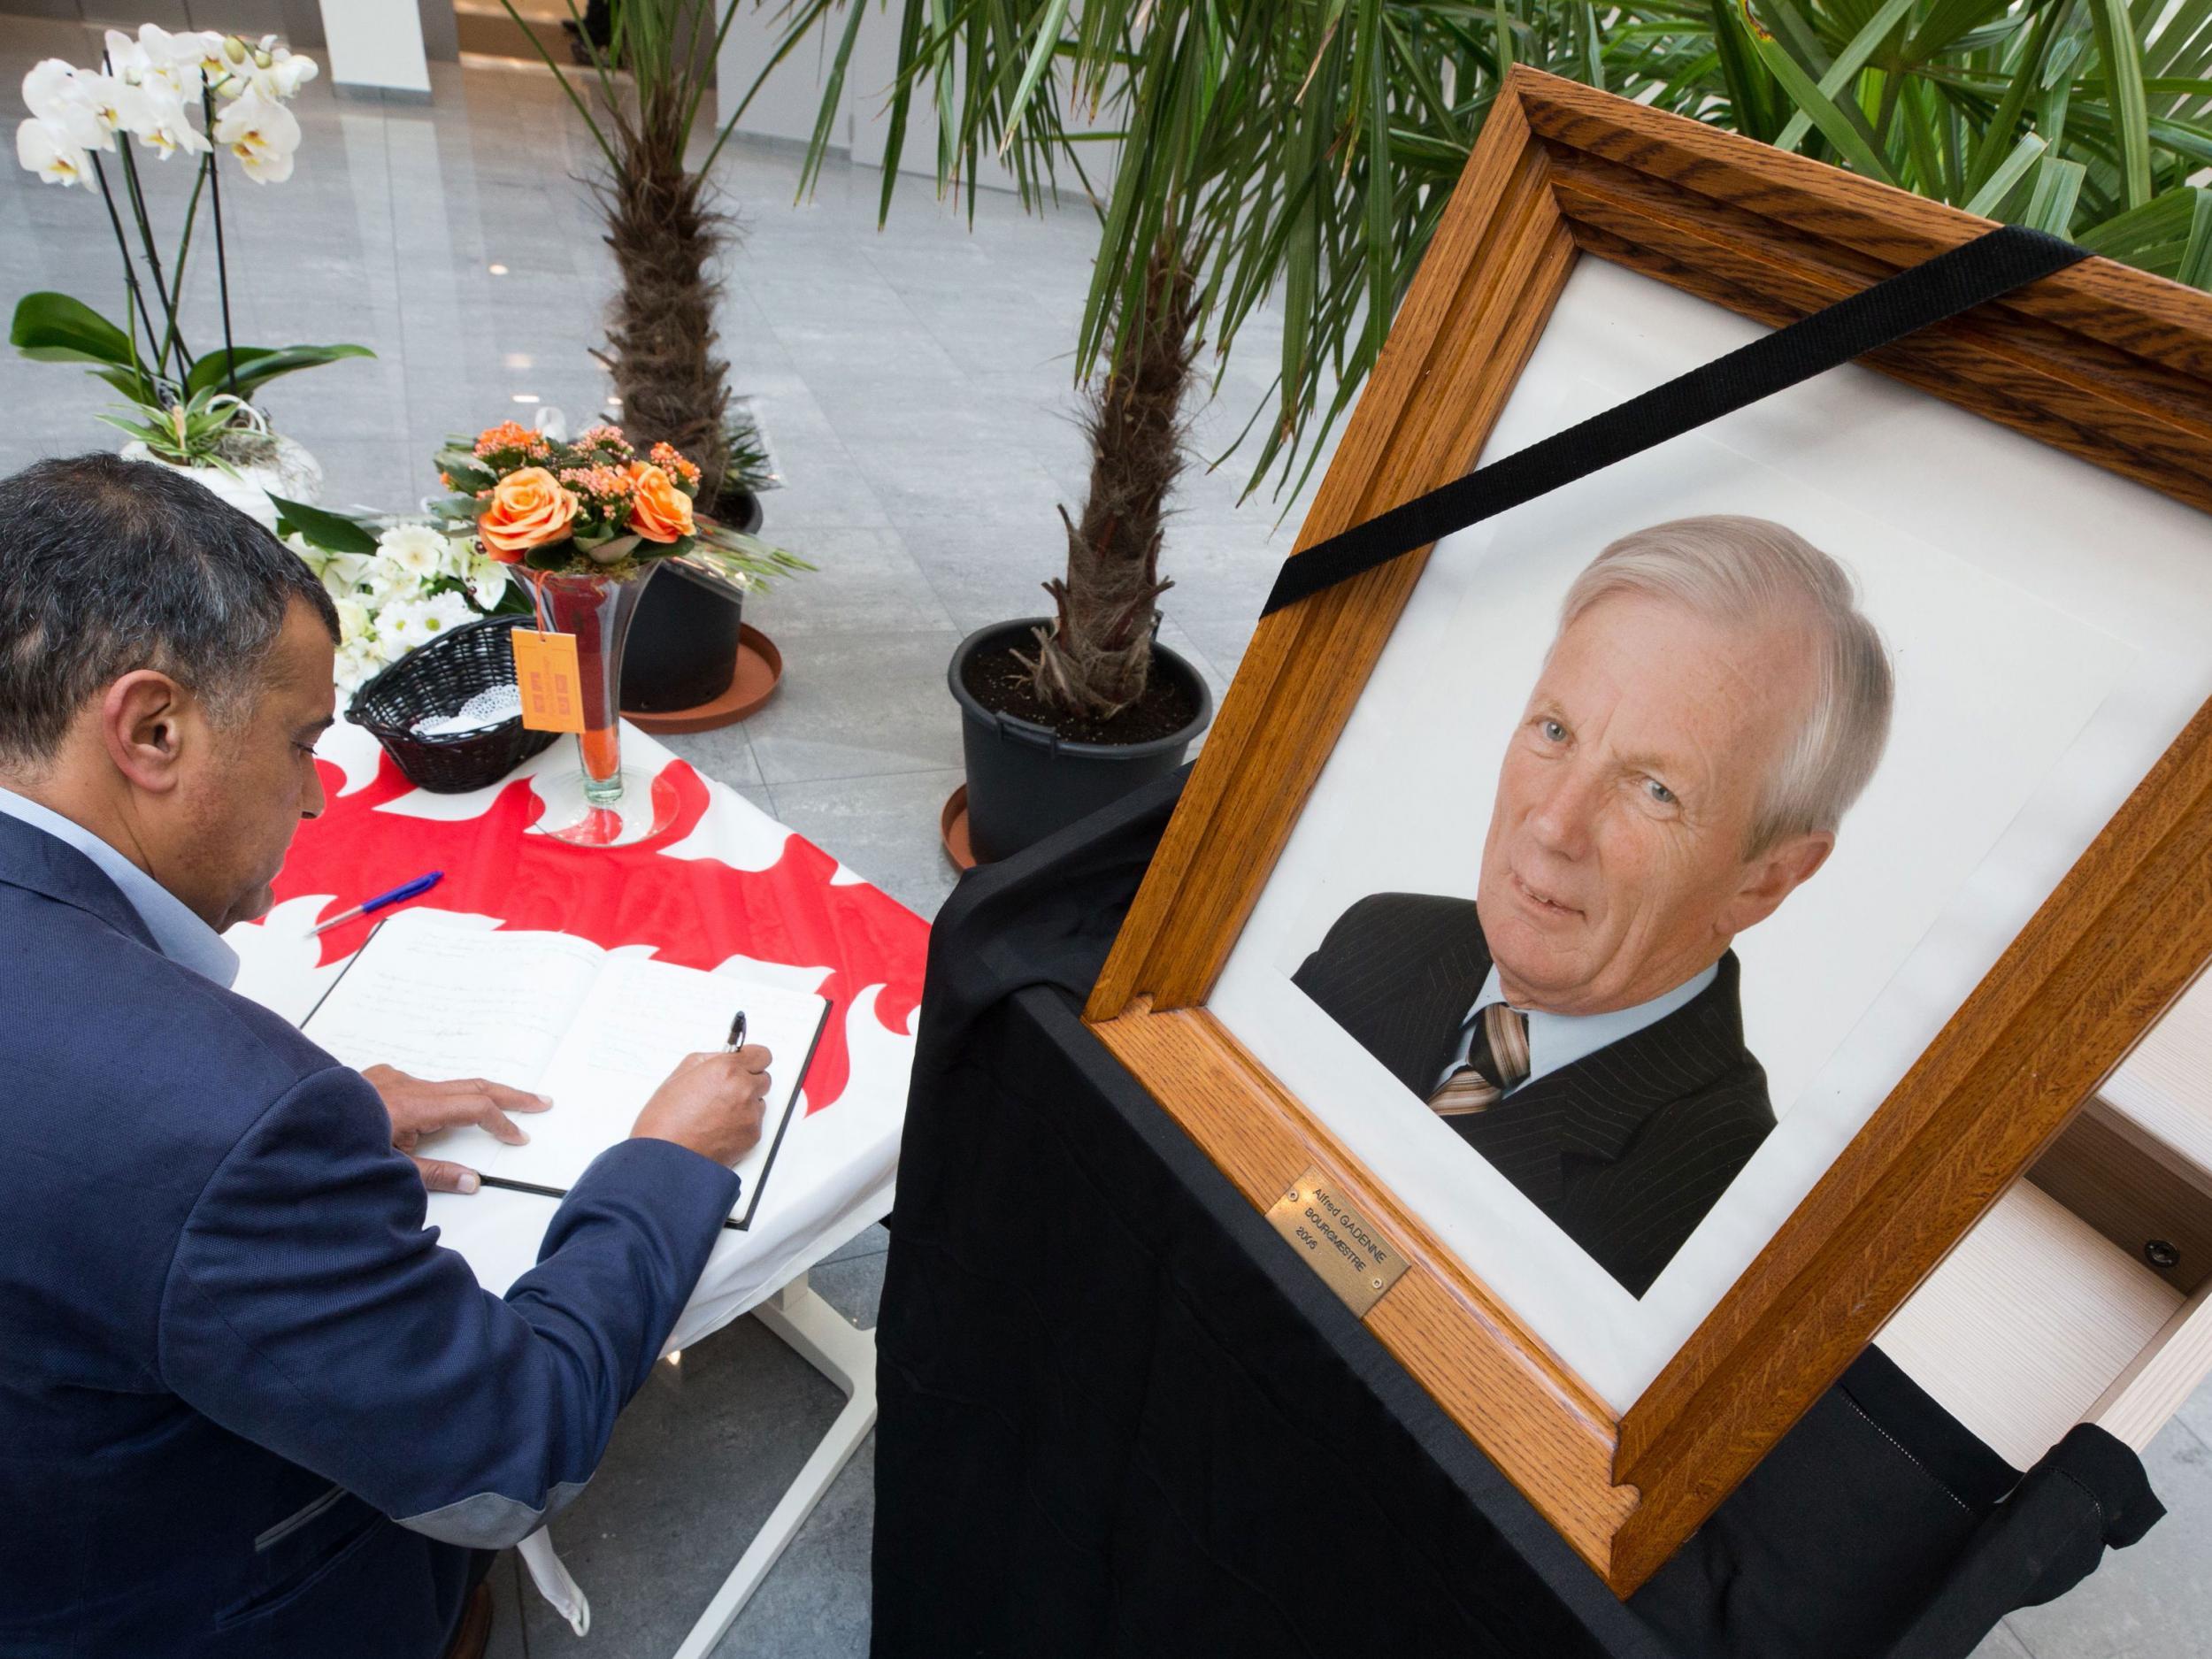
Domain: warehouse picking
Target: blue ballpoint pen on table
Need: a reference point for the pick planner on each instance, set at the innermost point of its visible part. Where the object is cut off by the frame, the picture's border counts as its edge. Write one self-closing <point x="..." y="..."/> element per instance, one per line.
<point x="420" y="884"/>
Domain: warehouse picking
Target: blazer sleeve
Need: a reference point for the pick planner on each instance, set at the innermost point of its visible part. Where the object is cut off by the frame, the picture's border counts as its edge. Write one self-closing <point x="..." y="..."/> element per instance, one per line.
<point x="309" y="1311"/>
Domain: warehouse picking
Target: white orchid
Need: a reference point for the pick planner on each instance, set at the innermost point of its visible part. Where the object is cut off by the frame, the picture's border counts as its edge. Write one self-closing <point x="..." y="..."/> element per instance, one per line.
<point x="487" y="580"/>
<point x="275" y="71"/>
<point x="415" y="548"/>
<point x="193" y="55"/>
<point x="261" y="132"/>
<point x="61" y="97"/>
<point x="163" y="124"/>
<point x="358" y="663"/>
<point x="46" y="150"/>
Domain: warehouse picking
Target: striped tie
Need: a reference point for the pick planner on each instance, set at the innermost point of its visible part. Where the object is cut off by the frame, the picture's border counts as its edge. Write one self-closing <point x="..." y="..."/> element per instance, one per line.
<point x="1496" y="1061"/>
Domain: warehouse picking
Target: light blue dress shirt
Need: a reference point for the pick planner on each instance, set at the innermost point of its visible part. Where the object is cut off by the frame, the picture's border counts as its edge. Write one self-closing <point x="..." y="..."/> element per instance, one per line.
<point x="177" y="933"/>
<point x="1560" y="1039"/>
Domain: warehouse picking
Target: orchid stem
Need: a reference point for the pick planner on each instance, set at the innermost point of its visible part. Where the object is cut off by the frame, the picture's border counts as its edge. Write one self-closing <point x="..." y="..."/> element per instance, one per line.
<point x="222" y="259"/>
<point x="153" y="257"/>
<point x="184" y="252"/>
<point x="130" y="270"/>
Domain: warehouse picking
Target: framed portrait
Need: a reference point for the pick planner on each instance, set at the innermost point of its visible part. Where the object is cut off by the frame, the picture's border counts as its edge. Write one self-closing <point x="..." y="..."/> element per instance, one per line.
<point x="1630" y="942"/>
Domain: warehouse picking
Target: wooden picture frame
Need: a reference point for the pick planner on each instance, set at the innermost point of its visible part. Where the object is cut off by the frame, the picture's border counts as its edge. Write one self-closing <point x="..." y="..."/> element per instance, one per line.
<point x="2105" y="362"/>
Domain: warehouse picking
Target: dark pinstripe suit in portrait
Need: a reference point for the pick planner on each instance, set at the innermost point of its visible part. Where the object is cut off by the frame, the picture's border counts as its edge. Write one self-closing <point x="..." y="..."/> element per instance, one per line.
<point x="1625" y="1149"/>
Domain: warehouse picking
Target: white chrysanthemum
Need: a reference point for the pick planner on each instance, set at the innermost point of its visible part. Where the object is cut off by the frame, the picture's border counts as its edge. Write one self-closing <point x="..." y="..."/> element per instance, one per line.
<point x="261" y="132"/>
<point x="384" y="583"/>
<point x="47" y="151"/>
<point x="414" y="547"/>
<point x="403" y="625"/>
<point x="354" y="621"/>
<point x="441" y="613"/>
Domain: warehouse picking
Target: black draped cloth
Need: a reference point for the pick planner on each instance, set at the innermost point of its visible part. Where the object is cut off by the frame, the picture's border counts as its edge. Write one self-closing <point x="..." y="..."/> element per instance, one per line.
<point x="1119" y="1418"/>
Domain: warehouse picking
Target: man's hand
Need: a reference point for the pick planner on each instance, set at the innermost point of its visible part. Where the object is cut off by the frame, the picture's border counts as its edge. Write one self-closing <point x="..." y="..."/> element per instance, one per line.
<point x="711" y="1103"/>
<point x="419" y="1107"/>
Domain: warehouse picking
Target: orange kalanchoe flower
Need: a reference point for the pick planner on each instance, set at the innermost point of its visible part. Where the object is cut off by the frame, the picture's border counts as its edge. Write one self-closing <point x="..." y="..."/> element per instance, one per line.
<point x="509" y="435"/>
<point x="528" y="509"/>
<point x="670" y="459"/>
<point x="660" y="513"/>
<point x="597" y="481"/>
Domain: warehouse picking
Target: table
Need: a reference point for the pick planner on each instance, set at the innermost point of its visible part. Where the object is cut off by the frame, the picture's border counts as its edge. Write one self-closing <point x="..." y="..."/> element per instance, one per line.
<point x="720" y="886"/>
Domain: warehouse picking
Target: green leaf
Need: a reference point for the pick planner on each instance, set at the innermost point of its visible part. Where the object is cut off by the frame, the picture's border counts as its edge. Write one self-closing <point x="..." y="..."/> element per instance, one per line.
<point x="1847" y="64"/>
<point x="2168" y="235"/>
<point x="1045" y="43"/>
<point x="1834" y="126"/>
<point x="1991" y="197"/>
<point x="2057" y="189"/>
<point x="258" y="365"/>
<point x="2123" y="74"/>
<point x="332" y="532"/>
<point x="55" y="328"/>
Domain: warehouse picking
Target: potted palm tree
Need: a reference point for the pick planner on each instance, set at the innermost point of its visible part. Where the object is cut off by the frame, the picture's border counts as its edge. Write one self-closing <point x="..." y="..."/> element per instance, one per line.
<point x="1062" y="713"/>
<point x="647" y="66"/>
<point x="1303" y="151"/>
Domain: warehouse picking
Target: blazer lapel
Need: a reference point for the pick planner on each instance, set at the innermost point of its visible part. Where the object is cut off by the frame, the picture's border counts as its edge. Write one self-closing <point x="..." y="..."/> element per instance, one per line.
<point x="32" y="859"/>
<point x="1442" y="999"/>
<point x="1593" y="1109"/>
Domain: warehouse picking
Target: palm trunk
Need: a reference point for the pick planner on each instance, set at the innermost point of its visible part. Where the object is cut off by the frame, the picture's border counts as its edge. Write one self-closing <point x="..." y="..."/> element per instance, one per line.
<point x="1096" y="658"/>
<point x="661" y="333"/>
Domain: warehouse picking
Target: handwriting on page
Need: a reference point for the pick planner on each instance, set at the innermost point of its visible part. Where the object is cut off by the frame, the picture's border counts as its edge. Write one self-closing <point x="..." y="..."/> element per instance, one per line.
<point x="443" y="1000"/>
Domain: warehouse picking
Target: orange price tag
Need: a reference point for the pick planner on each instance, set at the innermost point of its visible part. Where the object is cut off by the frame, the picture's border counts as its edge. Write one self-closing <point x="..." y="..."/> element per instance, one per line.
<point x="545" y="672"/>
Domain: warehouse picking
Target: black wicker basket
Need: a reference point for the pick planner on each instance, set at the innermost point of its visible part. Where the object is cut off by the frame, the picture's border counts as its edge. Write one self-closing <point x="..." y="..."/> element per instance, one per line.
<point x="437" y="679"/>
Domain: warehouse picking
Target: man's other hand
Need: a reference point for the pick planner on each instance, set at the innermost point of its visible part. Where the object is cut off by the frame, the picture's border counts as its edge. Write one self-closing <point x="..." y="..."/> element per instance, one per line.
<point x="711" y="1103"/>
<point x="419" y="1107"/>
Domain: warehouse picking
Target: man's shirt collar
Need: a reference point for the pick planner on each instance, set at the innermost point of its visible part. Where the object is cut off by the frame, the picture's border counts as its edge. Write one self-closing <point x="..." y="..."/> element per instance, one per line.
<point x="179" y="934"/>
<point x="1556" y="1040"/>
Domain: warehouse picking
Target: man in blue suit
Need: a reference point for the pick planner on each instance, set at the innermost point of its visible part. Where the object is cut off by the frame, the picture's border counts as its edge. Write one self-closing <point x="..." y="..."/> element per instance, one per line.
<point x="249" y="1407"/>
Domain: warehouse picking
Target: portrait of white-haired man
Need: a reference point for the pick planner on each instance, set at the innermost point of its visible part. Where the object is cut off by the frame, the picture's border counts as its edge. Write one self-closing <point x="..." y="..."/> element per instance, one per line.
<point x="1712" y="706"/>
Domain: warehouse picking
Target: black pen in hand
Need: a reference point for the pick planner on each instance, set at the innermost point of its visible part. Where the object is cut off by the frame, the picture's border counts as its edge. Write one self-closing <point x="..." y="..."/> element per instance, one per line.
<point x="737" y="1034"/>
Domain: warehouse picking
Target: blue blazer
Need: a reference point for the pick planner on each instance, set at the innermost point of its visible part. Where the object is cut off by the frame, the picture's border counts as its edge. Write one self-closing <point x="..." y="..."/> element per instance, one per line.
<point x="249" y="1407"/>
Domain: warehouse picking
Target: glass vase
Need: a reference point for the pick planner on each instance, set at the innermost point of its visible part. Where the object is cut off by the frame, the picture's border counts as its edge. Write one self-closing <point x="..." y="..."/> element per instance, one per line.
<point x="595" y="807"/>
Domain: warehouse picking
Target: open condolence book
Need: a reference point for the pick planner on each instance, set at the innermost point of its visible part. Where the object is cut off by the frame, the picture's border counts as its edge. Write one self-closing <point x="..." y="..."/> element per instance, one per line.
<point x="596" y="1031"/>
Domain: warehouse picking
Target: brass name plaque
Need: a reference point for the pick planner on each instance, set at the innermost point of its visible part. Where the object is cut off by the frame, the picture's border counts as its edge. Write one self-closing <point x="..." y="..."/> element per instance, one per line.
<point x="1352" y="1257"/>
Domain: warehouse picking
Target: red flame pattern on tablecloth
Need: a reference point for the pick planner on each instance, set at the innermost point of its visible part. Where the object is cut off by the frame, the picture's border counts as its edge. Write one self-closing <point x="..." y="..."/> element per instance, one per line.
<point x="695" y="911"/>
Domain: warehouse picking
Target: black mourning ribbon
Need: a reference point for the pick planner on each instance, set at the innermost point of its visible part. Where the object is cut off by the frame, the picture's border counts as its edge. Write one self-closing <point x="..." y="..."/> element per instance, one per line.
<point x="2006" y="259"/>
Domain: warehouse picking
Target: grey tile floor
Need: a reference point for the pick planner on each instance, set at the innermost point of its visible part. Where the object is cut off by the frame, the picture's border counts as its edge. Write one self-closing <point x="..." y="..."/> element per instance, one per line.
<point x="915" y="384"/>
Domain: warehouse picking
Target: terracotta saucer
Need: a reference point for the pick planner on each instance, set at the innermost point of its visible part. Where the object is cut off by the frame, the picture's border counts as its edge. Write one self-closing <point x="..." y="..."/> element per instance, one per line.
<point x="952" y="824"/>
<point x="759" y="671"/>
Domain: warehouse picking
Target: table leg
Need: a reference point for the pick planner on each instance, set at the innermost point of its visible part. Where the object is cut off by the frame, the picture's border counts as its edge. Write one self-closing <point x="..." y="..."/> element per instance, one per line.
<point x="847" y="1356"/>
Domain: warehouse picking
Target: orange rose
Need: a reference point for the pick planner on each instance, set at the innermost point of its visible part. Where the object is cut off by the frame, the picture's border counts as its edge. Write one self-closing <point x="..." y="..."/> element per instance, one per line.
<point x="658" y="511"/>
<point x="528" y="509"/>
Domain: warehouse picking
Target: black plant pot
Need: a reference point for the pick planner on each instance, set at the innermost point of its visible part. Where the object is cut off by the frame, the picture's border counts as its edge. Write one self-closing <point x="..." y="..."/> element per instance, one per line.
<point x="683" y="644"/>
<point x="741" y="510"/>
<point x="683" y="641"/>
<point x="1024" y="781"/>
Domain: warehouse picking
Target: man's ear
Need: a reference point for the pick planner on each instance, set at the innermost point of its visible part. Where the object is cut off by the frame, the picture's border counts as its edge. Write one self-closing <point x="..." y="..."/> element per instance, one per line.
<point x="1773" y="876"/>
<point x="142" y="728"/>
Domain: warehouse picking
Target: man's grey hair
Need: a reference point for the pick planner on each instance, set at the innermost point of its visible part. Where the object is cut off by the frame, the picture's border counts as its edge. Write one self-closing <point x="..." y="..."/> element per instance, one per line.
<point x="109" y="565"/>
<point x="1748" y="572"/>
